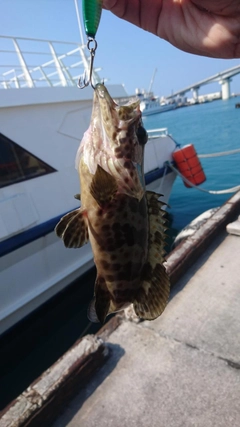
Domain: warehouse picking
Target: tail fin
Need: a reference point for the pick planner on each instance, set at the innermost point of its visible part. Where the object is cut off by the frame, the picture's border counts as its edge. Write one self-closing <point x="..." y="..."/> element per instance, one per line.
<point x="153" y="294"/>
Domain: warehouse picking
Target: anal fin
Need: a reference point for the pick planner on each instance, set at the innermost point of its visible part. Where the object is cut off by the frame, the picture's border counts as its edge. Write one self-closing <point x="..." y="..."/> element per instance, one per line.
<point x="73" y="228"/>
<point x="91" y="312"/>
<point x="99" y="306"/>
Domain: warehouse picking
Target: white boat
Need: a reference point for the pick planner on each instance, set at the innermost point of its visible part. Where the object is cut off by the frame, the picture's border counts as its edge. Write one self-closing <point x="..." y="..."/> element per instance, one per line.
<point x="43" y="116"/>
<point x="151" y="104"/>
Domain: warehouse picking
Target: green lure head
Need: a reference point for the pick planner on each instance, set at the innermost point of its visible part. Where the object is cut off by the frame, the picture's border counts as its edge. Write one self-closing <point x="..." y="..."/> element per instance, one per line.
<point x="92" y="10"/>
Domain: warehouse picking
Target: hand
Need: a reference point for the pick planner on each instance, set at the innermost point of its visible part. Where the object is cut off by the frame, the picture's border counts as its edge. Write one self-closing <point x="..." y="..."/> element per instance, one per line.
<point x="203" y="27"/>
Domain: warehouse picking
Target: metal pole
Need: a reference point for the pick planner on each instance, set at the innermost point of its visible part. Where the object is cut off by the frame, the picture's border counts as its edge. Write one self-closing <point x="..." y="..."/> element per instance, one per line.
<point x="79" y="22"/>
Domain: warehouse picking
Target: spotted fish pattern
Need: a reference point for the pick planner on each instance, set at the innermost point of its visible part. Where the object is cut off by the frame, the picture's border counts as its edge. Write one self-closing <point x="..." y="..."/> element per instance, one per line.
<point x="124" y="223"/>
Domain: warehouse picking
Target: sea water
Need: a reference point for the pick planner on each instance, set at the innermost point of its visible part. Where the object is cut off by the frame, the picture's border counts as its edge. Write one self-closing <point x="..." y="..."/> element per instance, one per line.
<point x="212" y="127"/>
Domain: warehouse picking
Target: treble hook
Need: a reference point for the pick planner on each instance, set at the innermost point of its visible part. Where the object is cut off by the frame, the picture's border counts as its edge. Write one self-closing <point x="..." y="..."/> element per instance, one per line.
<point x="82" y="83"/>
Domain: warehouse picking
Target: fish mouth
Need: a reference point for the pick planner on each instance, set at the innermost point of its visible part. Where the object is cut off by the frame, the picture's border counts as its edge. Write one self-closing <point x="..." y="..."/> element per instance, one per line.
<point x="112" y="114"/>
<point x="102" y="93"/>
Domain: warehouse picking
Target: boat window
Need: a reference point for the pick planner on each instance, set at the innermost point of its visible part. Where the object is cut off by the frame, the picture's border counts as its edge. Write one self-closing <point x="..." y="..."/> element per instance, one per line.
<point x="17" y="164"/>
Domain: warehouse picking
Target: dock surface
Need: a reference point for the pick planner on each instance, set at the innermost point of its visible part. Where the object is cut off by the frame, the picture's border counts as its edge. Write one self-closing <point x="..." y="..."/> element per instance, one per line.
<point x="181" y="370"/>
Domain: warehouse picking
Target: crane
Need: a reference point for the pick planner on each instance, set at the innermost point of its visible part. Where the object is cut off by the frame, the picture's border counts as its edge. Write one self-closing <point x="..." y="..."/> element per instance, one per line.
<point x="152" y="80"/>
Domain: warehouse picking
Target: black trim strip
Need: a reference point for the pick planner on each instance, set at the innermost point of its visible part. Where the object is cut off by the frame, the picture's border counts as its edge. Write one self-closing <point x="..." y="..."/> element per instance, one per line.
<point x="34" y="233"/>
<point x="28" y="236"/>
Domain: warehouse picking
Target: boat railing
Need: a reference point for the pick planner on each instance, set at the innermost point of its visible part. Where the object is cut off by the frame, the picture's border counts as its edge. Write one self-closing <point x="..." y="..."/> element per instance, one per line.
<point x="61" y="64"/>
<point x="155" y="133"/>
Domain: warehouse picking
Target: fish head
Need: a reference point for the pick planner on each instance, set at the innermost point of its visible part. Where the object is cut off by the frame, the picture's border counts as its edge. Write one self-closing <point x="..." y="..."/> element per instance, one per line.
<point x="115" y="141"/>
<point x="116" y="119"/>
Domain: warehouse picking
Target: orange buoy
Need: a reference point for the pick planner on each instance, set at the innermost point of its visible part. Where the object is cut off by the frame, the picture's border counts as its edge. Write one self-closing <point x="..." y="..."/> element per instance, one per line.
<point x="189" y="165"/>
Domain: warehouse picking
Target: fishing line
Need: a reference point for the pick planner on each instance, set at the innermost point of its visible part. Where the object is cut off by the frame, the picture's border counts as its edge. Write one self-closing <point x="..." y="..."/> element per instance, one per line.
<point x="86" y="329"/>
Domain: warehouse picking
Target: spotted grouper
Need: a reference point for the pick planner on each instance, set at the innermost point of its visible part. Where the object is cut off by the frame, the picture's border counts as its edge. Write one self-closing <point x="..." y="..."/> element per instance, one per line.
<point x="124" y="223"/>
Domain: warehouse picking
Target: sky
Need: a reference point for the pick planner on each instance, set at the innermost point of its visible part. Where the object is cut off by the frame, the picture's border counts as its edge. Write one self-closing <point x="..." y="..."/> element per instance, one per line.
<point x="126" y="54"/>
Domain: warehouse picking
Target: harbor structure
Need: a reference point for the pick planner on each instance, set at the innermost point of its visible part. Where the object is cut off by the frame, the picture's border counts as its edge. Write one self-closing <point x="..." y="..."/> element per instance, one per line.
<point x="223" y="78"/>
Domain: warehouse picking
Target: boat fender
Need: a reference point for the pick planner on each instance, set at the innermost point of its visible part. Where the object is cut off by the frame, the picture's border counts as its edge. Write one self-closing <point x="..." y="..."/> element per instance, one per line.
<point x="189" y="165"/>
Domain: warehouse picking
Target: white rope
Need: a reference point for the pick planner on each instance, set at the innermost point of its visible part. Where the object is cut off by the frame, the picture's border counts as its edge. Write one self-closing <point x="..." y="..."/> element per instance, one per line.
<point x="163" y="178"/>
<point x="223" y="153"/>
<point x="228" y="190"/>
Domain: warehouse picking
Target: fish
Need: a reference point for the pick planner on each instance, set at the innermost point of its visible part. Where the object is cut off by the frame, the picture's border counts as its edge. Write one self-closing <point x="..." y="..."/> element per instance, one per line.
<point x="124" y="223"/>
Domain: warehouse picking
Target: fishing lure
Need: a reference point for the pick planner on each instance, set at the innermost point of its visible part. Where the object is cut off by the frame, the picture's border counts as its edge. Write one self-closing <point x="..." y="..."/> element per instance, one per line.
<point x="92" y="10"/>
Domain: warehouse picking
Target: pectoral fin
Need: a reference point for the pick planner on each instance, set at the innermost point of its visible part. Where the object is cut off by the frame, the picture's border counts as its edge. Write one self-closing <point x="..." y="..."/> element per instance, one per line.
<point x="154" y="292"/>
<point x="103" y="186"/>
<point x="73" y="228"/>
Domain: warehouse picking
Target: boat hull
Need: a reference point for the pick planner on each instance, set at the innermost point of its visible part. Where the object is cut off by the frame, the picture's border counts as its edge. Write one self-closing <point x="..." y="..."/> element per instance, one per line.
<point x="34" y="264"/>
<point x="149" y="108"/>
<point x="35" y="272"/>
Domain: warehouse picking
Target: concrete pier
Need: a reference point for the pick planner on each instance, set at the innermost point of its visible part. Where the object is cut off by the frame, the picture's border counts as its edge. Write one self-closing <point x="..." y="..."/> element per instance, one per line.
<point x="195" y="93"/>
<point x="226" y="93"/>
<point x="180" y="370"/>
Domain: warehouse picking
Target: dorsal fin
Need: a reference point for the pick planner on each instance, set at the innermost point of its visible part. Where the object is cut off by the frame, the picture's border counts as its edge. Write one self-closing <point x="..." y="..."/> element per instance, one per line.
<point x="103" y="186"/>
<point x="157" y="227"/>
<point x="154" y="292"/>
<point x="73" y="228"/>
